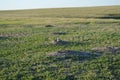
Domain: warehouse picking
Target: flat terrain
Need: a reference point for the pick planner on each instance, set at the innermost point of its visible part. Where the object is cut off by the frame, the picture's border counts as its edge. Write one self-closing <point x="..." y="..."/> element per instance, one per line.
<point x="32" y="42"/>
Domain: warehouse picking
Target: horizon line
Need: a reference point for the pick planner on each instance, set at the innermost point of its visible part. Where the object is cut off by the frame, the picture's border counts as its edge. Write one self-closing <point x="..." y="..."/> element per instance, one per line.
<point x="56" y="7"/>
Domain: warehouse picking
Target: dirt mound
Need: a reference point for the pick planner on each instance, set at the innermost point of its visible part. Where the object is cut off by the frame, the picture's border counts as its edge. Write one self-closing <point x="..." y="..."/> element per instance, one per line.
<point x="59" y="42"/>
<point x="49" y="26"/>
<point x="14" y="35"/>
<point x="59" y="33"/>
<point x="106" y="49"/>
<point x="69" y="52"/>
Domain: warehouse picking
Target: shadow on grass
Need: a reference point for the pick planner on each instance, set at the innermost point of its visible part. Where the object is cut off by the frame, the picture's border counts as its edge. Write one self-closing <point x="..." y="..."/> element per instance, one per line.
<point x="110" y="16"/>
<point x="4" y="37"/>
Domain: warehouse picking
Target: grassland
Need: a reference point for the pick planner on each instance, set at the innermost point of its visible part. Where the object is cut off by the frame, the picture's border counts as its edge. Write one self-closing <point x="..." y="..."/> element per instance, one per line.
<point x="25" y="43"/>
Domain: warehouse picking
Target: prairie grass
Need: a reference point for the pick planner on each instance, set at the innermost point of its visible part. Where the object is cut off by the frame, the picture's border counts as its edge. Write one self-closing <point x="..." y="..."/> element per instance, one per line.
<point x="25" y="41"/>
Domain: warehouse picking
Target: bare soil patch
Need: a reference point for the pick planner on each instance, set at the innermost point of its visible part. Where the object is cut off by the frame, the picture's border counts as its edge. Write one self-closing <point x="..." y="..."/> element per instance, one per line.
<point x="106" y="49"/>
<point x="69" y="52"/>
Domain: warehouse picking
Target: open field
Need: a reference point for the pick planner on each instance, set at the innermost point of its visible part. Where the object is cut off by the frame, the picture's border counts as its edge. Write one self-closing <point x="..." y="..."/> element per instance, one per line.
<point x="27" y="36"/>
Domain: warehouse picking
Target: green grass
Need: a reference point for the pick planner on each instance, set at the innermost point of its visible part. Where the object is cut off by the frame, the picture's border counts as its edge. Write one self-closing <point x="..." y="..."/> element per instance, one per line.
<point x="25" y="41"/>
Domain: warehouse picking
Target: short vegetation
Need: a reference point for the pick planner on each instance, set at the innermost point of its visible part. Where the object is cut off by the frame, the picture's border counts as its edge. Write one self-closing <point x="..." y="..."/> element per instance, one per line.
<point x="60" y="44"/>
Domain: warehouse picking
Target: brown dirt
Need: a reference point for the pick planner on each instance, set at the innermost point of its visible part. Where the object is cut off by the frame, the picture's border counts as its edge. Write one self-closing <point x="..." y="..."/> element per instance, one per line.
<point x="68" y="52"/>
<point x="106" y="49"/>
